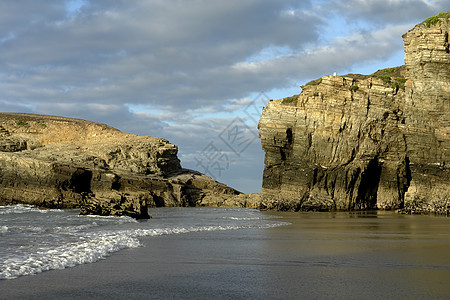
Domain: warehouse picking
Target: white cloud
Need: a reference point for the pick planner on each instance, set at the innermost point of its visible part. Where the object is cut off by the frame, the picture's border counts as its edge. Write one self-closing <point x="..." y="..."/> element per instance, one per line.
<point x="389" y="11"/>
<point x="190" y="67"/>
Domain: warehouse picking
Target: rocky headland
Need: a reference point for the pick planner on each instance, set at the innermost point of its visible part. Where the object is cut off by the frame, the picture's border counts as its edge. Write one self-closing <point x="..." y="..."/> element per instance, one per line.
<point x="56" y="162"/>
<point x="352" y="142"/>
<point x="359" y="142"/>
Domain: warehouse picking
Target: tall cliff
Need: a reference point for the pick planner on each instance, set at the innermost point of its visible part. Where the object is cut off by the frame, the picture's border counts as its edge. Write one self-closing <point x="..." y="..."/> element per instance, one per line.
<point x="57" y="162"/>
<point x="365" y="142"/>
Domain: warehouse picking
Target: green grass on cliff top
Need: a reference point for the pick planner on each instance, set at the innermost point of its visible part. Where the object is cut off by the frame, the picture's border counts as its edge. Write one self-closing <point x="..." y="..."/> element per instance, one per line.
<point x="392" y="76"/>
<point x="396" y="73"/>
<point x="437" y="19"/>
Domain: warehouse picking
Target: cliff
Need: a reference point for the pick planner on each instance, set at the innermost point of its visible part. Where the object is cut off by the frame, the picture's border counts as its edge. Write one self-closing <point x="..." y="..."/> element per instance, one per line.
<point x="57" y="162"/>
<point x="366" y="142"/>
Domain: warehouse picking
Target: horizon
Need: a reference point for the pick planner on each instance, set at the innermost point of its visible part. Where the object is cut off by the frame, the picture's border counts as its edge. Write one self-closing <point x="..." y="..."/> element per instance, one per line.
<point x="196" y="75"/>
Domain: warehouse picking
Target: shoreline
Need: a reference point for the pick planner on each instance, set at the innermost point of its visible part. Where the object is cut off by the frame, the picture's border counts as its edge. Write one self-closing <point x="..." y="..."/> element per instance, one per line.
<point x="320" y="255"/>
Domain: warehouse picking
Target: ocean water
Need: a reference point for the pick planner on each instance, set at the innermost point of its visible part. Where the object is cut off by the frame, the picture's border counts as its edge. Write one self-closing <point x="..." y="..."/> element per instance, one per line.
<point x="223" y="253"/>
<point x="35" y="240"/>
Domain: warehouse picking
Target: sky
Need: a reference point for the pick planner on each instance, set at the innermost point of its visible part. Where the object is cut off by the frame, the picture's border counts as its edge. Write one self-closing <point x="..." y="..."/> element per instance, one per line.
<point x="195" y="72"/>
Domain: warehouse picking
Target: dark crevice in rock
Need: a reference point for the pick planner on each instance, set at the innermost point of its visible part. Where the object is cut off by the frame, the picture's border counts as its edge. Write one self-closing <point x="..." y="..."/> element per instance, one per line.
<point x="351" y="178"/>
<point x="314" y="176"/>
<point x="289" y="136"/>
<point x="159" y="201"/>
<point x="282" y="154"/>
<point x="446" y="44"/>
<point x="81" y="181"/>
<point x="309" y="140"/>
<point x="403" y="180"/>
<point x="116" y="185"/>
<point x="367" y="190"/>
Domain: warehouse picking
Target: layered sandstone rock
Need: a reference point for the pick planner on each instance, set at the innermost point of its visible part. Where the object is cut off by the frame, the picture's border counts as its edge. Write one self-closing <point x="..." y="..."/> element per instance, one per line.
<point x="59" y="162"/>
<point x="365" y="142"/>
<point x="427" y="111"/>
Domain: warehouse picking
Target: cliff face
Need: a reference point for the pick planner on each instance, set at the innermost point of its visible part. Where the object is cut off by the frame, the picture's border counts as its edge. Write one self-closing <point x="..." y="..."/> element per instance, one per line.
<point x="58" y="162"/>
<point x="365" y="142"/>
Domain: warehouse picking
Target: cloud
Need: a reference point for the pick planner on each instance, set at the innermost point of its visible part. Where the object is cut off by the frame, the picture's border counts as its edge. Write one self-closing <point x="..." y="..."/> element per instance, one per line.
<point x="16" y="16"/>
<point x="145" y="52"/>
<point x="8" y="106"/>
<point x="382" y="12"/>
<point x="184" y="70"/>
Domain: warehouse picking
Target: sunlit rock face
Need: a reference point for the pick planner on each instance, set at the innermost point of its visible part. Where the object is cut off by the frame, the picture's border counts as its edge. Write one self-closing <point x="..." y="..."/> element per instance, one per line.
<point x="57" y="162"/>
<point x="365" y="142"/>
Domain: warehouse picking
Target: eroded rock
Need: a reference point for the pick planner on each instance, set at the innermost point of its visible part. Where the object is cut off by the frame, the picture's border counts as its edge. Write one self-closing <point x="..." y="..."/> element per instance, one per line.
<point x="57" y="162"/>
<point x="359" y="142"/>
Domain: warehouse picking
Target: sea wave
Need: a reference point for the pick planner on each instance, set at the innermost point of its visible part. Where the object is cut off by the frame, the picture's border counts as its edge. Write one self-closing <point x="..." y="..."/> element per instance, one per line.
<point x="242" y="218"/>
<point x="22" y="209"/>
<point x="121" y="219"/>
<point x="3" y="229"/>
<point x="34" y="230"/>
<point x="74" y="228"/>
<point x="94" y="246"/>
<point x="64" y="256"/>
<point x="263" y="217"/>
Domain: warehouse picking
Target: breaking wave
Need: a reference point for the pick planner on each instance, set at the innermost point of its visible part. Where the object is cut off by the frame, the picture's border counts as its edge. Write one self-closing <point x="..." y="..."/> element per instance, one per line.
<point x="74" y="240"/>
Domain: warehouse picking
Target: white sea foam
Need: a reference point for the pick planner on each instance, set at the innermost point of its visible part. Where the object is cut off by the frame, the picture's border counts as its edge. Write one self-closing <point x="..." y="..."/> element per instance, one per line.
<point x="68" y="255"/>
<point x="33" y="243"/>
<point x="87" y="249"/>
<point x="93" y="247"/>
<point x="242" y="219"/>
<point x="251" y="218"/>
<point x="75" y="228"/>
<point x="121" y="219"/>
<point x="3" y="229"/>
<point x="23" y="208"/>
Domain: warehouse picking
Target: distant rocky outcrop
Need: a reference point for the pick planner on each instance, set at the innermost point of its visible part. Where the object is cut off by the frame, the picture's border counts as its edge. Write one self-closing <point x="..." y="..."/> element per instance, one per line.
<point x="56" y="162"/>
<point x="366" y="142"/>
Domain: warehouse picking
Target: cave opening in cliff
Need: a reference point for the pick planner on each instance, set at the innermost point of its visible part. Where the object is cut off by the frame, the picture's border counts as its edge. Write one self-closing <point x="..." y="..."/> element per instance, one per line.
<point x="81" y="181"/>
<point x="289" y="135"/>
<point x="282" y="154"/>
<point x="368" y="187"/>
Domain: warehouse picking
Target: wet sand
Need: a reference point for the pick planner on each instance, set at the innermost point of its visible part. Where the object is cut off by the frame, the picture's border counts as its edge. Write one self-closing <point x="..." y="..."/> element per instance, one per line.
<point x="318" y="256"/>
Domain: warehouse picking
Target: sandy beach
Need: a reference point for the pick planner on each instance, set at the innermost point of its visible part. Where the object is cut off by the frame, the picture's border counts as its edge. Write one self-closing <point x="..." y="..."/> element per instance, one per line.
<point x="318" y="256"/>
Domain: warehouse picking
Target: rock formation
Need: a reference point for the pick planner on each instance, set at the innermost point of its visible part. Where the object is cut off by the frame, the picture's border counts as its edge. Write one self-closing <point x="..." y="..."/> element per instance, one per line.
<point x="57" y="162"/>
<point x="366" y="142"/>
<point x="349" y="142"/>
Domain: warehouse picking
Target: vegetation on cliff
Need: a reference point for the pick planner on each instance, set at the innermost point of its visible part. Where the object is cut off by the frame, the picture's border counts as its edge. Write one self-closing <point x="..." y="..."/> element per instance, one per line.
<point x="361" y="142"/>
<point x="392" y="76"/>
<point x="437" y="19"/>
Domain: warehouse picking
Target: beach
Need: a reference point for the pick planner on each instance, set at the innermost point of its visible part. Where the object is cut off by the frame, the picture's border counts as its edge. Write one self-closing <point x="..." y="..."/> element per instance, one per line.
<point x="369" y="255"/>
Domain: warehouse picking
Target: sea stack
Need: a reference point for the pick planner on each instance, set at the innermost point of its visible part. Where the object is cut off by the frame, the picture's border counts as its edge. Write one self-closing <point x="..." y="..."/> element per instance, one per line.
<point x="366" y="142"/>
